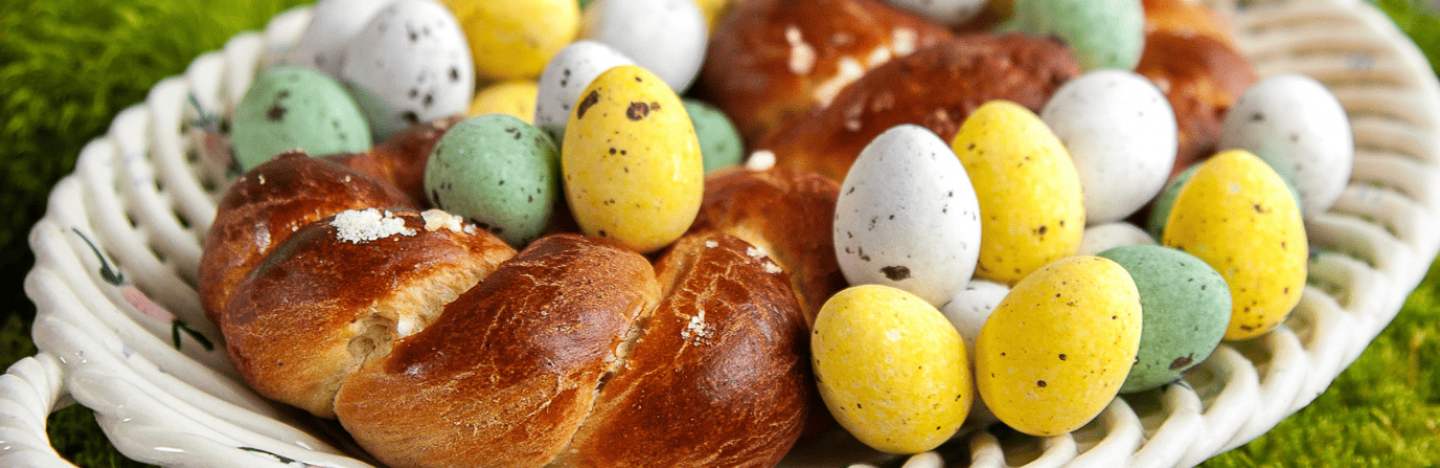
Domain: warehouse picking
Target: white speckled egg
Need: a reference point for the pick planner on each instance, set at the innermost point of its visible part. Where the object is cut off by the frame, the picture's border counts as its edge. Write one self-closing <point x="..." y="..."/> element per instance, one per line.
<point x="566" y="76"/>
<point x="1120" y="131"/>
<point x="1102" y="237"/>
<point x="944" y="11"/>
<point x="968" y="311"/>
<point x="667" y="37"/>
<point x="410" y="64"/>
<point x="907" y="216"/>
<point x="1298" y="127"/>
<point x="971" y="306"/>
<point x="333" y="24"/>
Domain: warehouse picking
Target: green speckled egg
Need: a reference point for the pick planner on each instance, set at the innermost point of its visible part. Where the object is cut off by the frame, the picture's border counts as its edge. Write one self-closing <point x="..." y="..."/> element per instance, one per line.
<point x="1184" y="307"/>
<point x="498" y="172"/>
<point x="720" y="143"/>
<point x="1103" y="33"/>
<point x="291" y="107"/>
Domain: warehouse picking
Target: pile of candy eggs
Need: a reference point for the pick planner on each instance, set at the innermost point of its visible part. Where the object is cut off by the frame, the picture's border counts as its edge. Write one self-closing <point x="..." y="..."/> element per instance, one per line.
<point x="999" y="270"/>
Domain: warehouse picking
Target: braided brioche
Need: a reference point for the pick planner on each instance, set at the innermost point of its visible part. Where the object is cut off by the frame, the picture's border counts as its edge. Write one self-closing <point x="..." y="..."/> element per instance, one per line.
<point x="436" y="344"/>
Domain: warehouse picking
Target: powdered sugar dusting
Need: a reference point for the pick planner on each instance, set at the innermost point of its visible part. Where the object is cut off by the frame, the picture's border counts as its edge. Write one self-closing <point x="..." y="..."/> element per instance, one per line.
<point x="904" y="41"/>
<point x="439" y="219"/>
<point x="357" y="226"/>
<point x="756" y="252"/>
<point x="878" y="57"/>
<point x="802" y="56"/>
<point x="697" y="328"/>
<point x="710" y="244"/>
<point x="848" y="71"/>
<point x="772" y="268"/>
<point x="761" y="160"/>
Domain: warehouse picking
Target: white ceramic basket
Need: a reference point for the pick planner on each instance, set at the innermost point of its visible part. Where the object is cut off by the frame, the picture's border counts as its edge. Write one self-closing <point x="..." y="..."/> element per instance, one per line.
<point x="120" y="328"/>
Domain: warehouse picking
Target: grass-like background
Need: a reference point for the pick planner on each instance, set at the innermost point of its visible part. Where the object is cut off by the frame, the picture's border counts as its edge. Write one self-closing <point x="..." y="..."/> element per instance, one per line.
<point x="66" y="69"/>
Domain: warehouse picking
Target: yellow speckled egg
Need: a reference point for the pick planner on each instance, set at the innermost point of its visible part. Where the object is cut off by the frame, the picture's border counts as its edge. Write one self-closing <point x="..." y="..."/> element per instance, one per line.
<point x="515" y="38"/>
<point x="1238" y="215"/>
<point x="1031" y="210"/>
<point x="631" y="160"/>
<point x="891" y="368"/>
<point x="1057" y="348"/>
<point x="515" y="98"/>
<point x="714" y="10"/>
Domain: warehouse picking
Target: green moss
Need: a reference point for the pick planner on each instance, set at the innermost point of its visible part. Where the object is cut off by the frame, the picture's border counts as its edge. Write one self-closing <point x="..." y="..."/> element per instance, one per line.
<point x="1418" y="19"/>
<point x="1383" y="411"/>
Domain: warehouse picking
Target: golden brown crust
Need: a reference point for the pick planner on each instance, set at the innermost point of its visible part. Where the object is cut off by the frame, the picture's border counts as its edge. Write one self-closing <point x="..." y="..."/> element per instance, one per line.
<point x="1186" y="18"/>
<point x="508" y="372"/>
<point x="1202" y="78"/>
<point x="936" y="88"/>
<point x="267" y="205"/>
<point x="716" y="379"/>
<point x="787" y="213"/>
<point x="324" y="301"/>
<point x="400" y="161"/>
<point x="770" y="60"/>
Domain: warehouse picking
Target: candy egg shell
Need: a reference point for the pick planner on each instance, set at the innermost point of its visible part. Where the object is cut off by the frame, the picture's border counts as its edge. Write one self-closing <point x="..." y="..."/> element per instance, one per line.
<point x="410" y="64"/>
<point x="498" y="172"/>
<point x="1103" y="33"/>
<point x="1057" y="348"/>
<point x="890" y="368"/>
<point x="1185" y="307"/>
<point x="639" y="28"/>
<point x="1160" y="211"/>
<point x="713" y="10"/>
<point x="971" y="307"/>
<point x="291" y="106"/>
<point x="950" y="12"/>
<point x="1102" y="237"/>
<point x="720" y="143"/>
<point x="1031" y="211"/>
<point x="1298" y="127"/>
<point x="907" y="216"/>
<point x="565" y="77"/>
<point x="967" y="312"/>
<point x="333" y="24"/>
<point x="1238" y="215"/>
<point x="631" y="161"/>
<point x="1120" y="132"/>
<point x="515" y="98"/>
<point x="515" y="38"/>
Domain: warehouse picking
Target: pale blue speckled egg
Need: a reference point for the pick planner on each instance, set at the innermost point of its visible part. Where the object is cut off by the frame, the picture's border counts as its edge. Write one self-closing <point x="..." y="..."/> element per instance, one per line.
<point x="290" y="107"/>
<point x="1103" y="33"/>
<point x="498" y="172"/>
<point x="1184" y="308"/>
<point x="720" y="143"/>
